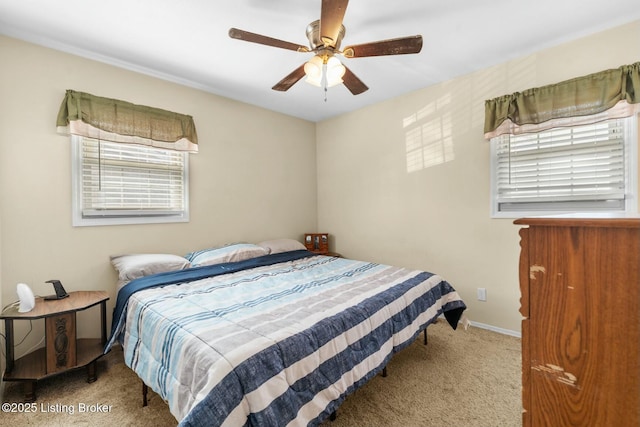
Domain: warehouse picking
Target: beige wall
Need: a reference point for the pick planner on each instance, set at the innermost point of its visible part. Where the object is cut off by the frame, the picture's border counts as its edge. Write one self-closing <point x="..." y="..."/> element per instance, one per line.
<point x="254" y="177"/>
<point x="378" y="206"/>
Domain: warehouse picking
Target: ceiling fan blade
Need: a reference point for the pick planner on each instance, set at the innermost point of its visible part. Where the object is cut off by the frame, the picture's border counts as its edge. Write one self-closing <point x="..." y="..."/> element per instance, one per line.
<point x="399" y="46"/>
<point x="353" y="83"/>
<point x="235" y="33"/>
<point x="291" y="79"/>
<point x="331" y="17"/>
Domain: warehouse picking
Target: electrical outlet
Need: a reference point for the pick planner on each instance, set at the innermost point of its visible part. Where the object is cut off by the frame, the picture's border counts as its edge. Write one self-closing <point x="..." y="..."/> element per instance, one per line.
<point x="482" y="294"/>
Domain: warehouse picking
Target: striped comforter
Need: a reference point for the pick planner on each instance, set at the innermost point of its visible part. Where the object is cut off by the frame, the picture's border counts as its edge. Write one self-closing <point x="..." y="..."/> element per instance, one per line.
<point x="280" y="344"/>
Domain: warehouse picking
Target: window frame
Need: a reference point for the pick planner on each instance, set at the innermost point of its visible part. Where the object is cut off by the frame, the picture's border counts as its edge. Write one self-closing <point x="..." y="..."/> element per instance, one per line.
<point x="574" y="209"/>
<point x="129" y="217"/>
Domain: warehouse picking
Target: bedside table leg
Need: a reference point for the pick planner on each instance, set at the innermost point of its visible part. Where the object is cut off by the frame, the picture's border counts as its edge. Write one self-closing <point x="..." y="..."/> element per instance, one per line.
<point x="145" y="391"/>
<point x="29" y="391"/>
<point x="8" y="331"/>
<point x="92" y="371"/>
<point x="103" y="321"/>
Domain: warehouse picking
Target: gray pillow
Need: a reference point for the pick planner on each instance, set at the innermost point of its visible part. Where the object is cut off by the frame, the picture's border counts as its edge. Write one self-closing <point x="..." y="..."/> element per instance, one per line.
<point x="134" y="266"/>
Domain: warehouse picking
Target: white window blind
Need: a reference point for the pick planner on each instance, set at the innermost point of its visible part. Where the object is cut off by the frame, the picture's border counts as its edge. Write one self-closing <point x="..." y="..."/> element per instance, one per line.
<point x="116" y="180"/>
<point x="580" y="168"/>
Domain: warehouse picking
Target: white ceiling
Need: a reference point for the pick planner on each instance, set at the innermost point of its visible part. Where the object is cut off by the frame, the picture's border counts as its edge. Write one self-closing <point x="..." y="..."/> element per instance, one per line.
<point x="187" y="41"/>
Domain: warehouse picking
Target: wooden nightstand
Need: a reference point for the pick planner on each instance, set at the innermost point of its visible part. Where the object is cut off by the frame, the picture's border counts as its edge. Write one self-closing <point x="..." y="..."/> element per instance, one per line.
<point x="317" y="242"/>
<point x="63" y="350"/>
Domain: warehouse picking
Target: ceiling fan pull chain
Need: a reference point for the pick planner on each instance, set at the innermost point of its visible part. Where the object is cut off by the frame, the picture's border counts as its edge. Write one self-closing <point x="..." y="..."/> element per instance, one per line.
<point x="325" y="84"/>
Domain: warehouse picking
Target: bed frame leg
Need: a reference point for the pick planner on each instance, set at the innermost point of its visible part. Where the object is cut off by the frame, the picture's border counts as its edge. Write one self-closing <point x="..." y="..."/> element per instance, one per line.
<point x="145" y="390"/>
<point x="384" y="372"/>
<point x="425" y="336"/>
<point x="333" y="416"/>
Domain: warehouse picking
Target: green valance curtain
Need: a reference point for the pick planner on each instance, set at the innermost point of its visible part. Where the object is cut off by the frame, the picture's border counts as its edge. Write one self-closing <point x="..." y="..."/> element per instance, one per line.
<point x="120" y="121"/>
<point x="608" y="94"/>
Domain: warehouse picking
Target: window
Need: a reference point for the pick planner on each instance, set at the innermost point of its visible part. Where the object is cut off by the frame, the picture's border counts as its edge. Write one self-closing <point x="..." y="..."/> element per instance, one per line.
<point x="587" y="168"/>
<point x="118" y="183"/>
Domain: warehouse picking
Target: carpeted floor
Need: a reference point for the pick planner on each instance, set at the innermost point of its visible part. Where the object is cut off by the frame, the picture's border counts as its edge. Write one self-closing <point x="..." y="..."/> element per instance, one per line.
<point x="465" y="378"/>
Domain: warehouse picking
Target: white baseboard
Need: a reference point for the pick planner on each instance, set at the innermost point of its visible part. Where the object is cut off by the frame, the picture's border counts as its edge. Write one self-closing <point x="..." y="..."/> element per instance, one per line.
<point x="492" y="328"/>
<point x="503" y="331"/>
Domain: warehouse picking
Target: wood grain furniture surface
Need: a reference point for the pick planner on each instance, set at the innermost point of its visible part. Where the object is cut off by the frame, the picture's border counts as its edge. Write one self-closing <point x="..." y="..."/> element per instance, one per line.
<point x="580" y="285"/>
<point x="63" y="350"/>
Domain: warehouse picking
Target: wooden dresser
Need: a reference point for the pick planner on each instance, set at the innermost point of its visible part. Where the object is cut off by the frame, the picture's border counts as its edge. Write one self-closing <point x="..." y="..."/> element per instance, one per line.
<point x="580" y="285"/>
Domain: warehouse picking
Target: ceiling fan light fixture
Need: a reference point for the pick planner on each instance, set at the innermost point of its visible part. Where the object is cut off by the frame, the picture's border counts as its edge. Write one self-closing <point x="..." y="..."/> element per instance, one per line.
<point x="313" y="68"/>
<point x="316" y="81"/>
<point x="335" y="82"/>
<point x="335" y="71"/>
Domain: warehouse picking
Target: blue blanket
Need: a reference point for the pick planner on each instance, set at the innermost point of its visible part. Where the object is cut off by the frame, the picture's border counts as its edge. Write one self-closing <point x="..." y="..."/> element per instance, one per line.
<point x="279" y="340"/>
<point x="185" y="276"/>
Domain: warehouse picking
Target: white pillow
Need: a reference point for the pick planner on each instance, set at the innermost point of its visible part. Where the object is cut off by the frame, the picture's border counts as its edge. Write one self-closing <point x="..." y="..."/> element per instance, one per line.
<point x="229" y="253"/>
<point x="281" y="245"/>
<point x="130" y="267"/>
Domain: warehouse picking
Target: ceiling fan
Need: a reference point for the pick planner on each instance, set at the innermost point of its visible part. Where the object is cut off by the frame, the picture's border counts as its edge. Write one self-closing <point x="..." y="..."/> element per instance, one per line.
<point x="325" y="36"/>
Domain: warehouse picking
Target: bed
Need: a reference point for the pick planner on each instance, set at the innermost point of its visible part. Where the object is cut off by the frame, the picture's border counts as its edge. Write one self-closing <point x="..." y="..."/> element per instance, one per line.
<point x="278" y="338"/>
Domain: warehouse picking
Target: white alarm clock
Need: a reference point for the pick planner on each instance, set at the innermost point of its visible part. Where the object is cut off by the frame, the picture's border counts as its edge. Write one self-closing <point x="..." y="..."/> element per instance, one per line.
<point x="27" y="300"/>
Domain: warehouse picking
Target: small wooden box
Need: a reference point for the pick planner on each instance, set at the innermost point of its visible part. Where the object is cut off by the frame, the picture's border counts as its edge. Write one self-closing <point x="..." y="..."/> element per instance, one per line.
<point x="317" y="242"/>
